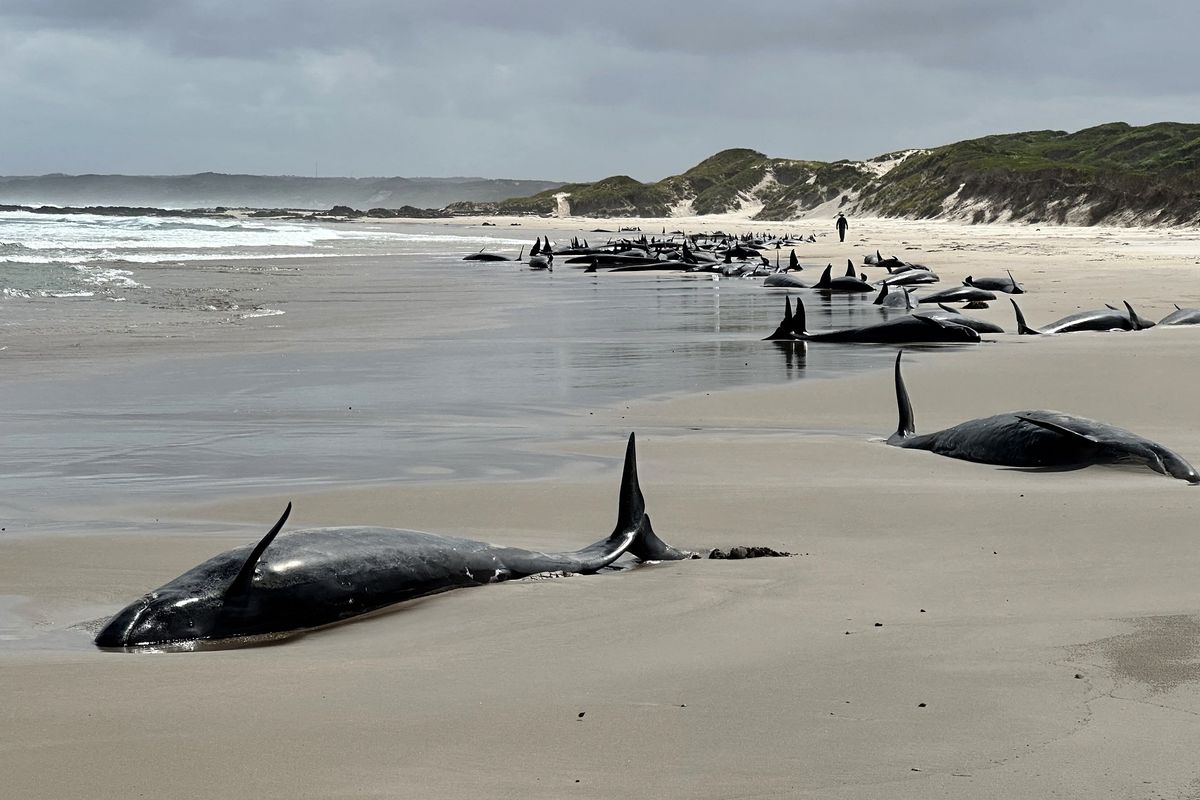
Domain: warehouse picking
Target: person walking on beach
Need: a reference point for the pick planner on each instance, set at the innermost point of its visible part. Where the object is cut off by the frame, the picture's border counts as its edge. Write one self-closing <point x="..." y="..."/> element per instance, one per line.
<point x="842" y="223"/>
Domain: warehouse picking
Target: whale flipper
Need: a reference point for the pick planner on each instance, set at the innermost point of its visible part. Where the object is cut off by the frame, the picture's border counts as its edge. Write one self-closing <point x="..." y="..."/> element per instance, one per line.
<point x="1059" y="429"/>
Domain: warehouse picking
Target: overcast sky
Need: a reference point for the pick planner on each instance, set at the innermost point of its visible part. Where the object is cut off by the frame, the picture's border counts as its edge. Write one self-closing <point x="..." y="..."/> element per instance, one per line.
<point x="563" y="90"/>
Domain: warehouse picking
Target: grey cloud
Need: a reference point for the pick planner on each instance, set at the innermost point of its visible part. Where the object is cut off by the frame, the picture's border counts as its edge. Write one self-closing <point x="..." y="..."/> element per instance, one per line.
<point x="537" y="89"/>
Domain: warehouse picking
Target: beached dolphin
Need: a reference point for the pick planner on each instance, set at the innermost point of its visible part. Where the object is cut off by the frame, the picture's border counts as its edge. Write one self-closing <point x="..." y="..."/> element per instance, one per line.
<point x="958" y="294"/>
<point x="785" y="280"/>
<point x="843" y="284"/>
<point x="1101" y="319"/>
<point x="949" y="314"/>
<point x="482" y="256"/>
<point x="902" y="330"/>
<point x="1181" y="316"/>
<point x="910" y="277"/>
<point x="889" y="299"/>
<point x="305" y="579"/>
<point x="1007" y="285"/>
<point x="1036" y="439"/>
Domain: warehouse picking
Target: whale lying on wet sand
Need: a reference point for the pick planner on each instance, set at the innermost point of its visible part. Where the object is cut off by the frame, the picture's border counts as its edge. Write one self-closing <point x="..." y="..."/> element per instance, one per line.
<point x="304" y="579"/>
<point x="1036" y="438"/>
<point x="1007" y="285"/>
<point x="1100" y="319"/>
<point x="902" y="330"/>
<point x="1181" y="316"/>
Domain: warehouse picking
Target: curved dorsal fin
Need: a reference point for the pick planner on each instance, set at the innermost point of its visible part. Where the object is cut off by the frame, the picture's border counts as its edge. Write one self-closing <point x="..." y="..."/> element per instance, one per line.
<point x="799" y="324"/>
<point x="824" y="277"/>
<point x="1022" y="328"/>
<point x="242" y="582"/>
<point x="907" y="426"/>
<point x="850" y="273"/>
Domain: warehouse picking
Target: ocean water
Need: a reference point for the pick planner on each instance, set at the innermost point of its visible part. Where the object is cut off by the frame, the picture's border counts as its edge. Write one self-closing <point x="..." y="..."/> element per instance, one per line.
<point x="377" y="355"/>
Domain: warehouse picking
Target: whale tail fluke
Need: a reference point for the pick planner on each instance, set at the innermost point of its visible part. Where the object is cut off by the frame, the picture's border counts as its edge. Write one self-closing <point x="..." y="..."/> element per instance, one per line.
<point x="1022" y="328"/>
<point x="631" y="515"/>
<point x="907" y="426"/>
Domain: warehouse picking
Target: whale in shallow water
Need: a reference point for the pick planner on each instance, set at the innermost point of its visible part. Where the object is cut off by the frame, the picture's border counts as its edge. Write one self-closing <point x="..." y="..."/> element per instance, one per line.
<point x="483" y="256"/>
<point x="902" y="330"/>
<point x="299" y="580"/>
<point x="1036" y="438"/>
<point x="844" y="284"/>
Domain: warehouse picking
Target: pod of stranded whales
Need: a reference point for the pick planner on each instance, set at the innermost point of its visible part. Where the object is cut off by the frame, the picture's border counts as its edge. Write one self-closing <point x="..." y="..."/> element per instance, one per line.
<point x="291" y="583"/>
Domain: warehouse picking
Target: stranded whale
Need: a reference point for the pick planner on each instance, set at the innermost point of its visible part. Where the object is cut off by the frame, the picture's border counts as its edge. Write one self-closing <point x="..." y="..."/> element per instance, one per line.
<point x="309" y="578"/>
<point x="902" y="330"/>
<point x="1036" y="439"/>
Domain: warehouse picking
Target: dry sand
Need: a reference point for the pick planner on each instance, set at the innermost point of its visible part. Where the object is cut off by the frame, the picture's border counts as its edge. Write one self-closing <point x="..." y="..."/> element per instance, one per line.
<point x="946" y="630"/>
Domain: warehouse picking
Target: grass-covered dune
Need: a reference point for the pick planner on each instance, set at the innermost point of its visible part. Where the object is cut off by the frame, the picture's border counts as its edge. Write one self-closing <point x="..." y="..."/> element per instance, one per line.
<point x="1112" y="173"/>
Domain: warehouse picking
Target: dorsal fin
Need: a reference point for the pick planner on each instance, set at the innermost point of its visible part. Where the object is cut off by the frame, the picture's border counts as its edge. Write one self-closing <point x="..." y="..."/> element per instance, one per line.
<point x="1022" y="328"/>
<point x="967" y="280"/>
<point x="536" y="249"/>
<point x="824" y="277"/>
<point x="907" y="426"/>
<point x="883" y="292"/>
<point x="245" y="575"/>
<point x="908" y="303"/>
<point x="799" y="324"/>
<point x="1138" y="323"/>
<point x="793" y="262"/>
<point x="850" y="272"/>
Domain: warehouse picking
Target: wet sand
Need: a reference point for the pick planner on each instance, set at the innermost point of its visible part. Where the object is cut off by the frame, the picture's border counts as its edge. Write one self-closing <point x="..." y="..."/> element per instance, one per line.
<point x="945" y="630"/>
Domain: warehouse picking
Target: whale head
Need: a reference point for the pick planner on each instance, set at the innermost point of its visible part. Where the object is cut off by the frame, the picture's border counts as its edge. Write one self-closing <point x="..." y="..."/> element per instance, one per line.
<point x="211" y="601"/>
<point x="1176" y="466"/>
<point x="163" y="617"/>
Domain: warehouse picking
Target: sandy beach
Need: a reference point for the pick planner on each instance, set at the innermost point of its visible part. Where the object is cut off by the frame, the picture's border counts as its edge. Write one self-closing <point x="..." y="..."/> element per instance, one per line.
<point x="945" y="629"/>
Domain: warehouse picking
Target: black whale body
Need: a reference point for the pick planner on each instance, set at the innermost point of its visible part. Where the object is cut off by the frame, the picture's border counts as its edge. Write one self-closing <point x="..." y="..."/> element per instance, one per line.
<point x="305" y="579"/>
<point x="1100" y="319"/>
<point x="1036" y="438"/>
<point x="902" y="330"/>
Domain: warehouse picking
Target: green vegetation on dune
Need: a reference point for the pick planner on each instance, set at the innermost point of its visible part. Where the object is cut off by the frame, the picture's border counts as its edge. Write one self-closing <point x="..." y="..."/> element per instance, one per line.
<point x="1151" y="173"/>
<point x="1113" y="172"/>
